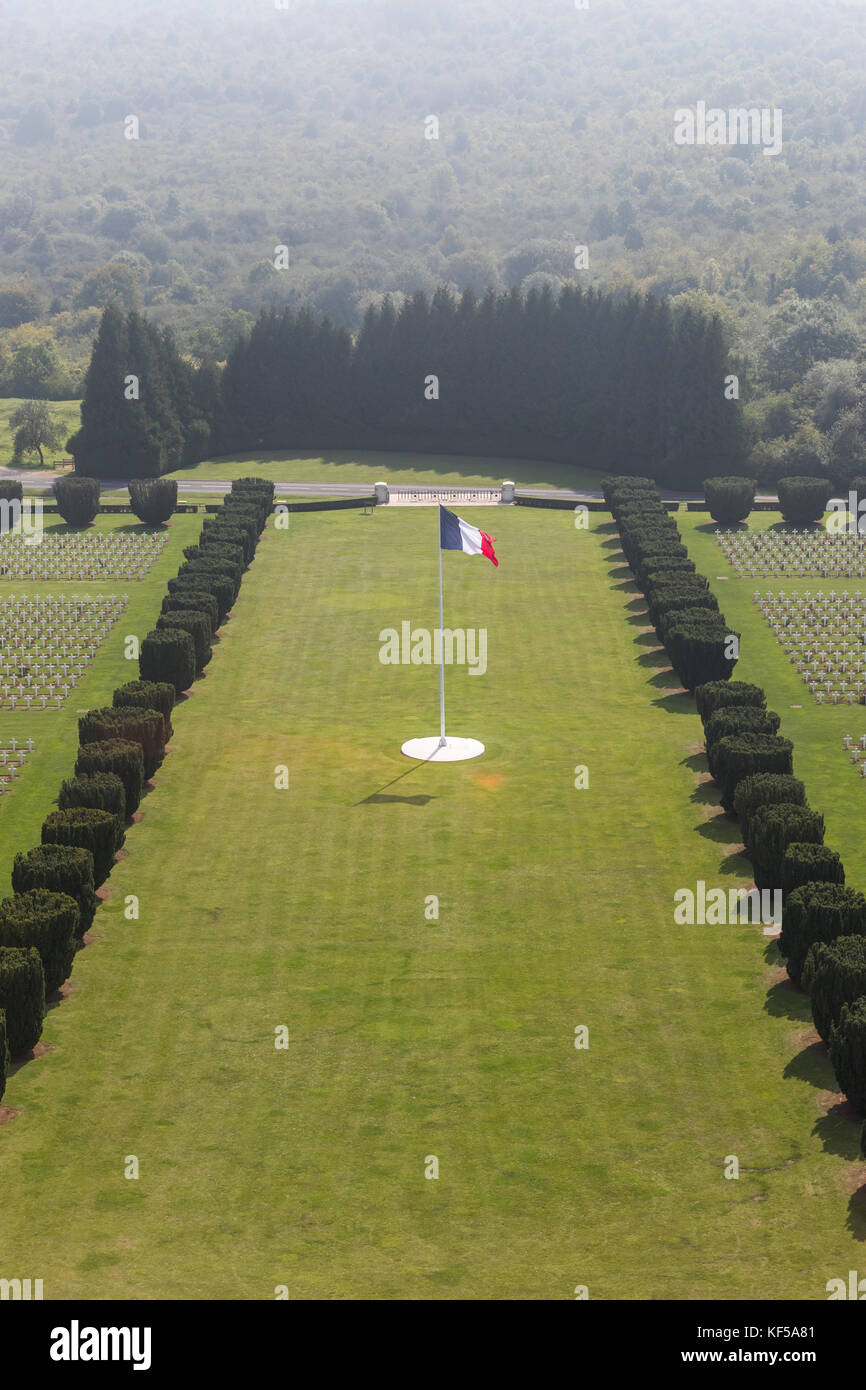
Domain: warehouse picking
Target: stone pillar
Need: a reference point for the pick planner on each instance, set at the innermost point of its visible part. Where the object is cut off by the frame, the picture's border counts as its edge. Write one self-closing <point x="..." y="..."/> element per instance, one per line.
<point x="508" y="491"/>
<point x="382" y="493"/>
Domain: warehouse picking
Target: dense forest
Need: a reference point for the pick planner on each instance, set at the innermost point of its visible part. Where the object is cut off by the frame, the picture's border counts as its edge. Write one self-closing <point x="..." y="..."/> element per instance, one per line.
<point x="583" y="378"/>
<point x="328" y="154"/>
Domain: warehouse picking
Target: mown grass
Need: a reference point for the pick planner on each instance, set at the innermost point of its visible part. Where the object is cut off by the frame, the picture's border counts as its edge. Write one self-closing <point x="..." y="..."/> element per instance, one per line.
<point x="410" y="1037"/>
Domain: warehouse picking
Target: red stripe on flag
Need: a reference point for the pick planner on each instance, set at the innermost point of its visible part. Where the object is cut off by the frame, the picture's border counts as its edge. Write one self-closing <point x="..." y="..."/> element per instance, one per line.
<point x="487" y="546"/>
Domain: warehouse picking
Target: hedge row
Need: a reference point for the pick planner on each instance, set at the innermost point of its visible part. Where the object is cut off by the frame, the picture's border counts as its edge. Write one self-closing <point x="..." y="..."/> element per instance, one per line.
<point x="684" y="613"/>
<point x="122" y="745"/>
<point x="823" y="937"/>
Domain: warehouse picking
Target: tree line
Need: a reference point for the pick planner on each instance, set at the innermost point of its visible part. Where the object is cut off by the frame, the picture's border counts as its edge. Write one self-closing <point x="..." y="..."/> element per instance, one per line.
<point x="587" y="378"/>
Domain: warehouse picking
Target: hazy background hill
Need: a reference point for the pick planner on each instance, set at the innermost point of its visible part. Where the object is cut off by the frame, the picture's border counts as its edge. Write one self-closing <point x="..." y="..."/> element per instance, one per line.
<point x="262" y="127"/>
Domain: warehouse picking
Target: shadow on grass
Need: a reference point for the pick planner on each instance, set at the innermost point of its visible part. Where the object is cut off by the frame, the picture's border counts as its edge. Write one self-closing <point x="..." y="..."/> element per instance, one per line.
<point x="645" y="639"/>
<point x="856" y="1222"/>
<point x="658" y="659"/>
<point x="839" y="1131"/>
<point x="680" y="703"/>
<point x="785" y="1000"/>
<point x="378" y="798"/>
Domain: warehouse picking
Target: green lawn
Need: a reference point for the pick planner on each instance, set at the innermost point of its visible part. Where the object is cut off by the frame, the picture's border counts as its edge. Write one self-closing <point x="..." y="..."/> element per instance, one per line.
<point x="306" y="909"/>
<point x="366" y="468"/>
<point x="66" y="412"/>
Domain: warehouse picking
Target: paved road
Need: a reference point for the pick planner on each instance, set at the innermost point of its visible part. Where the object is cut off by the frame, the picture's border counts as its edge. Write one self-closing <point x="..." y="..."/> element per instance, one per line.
<point x="202" y="487"/>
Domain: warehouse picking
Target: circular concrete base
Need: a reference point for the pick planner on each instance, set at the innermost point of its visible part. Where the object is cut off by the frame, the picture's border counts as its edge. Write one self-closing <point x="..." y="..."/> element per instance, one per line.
<point x="429" y="750"/>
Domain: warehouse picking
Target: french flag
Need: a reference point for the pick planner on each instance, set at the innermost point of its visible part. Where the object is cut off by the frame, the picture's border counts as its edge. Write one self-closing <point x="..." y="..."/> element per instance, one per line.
<point x="457" y="534"/>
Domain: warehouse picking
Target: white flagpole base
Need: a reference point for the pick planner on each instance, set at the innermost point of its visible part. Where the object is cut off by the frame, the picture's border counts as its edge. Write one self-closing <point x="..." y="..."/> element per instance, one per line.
<point x="431" y="750"/>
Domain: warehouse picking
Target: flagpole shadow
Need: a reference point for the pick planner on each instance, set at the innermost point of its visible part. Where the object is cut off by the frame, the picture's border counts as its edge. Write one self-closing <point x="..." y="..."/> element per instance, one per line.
<point x="420" y="800"/>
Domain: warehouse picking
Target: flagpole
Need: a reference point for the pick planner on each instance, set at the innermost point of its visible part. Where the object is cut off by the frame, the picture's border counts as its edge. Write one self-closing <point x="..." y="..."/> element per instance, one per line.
<point x="441" y="641"/>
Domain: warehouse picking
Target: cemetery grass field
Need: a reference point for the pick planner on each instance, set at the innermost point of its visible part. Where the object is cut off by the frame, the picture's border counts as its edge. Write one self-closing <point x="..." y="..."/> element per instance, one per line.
<point x="409" y="1037"/>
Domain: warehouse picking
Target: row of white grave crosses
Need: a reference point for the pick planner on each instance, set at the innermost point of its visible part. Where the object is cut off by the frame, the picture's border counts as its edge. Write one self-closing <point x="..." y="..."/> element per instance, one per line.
<point x="826" y="555"/>
<point x="46" y="643"/>
<point x="12" y="759"/>
<point x="89" y="555"/>
<point x="856" y="750"/>
<point x="823" y="635"/>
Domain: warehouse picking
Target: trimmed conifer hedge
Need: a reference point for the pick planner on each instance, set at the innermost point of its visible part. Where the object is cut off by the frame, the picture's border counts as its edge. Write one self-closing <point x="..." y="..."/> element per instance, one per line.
<point x="102" y="790"/>
<point x="220" y="586"/>
<point x="77" y="499"/>
<point x="153" y="499"/>
<point x="61" y="868"/>
<point x="224" y="533"/>
<point x="123" y="757"/>
<point x="48" y="921"/>
<point x="771" y="830"/>
<point x="730" y="500"/>
<point x="765" y="789"/>
<point x="742" y="755"/>
<point x="803" y="500"/>
<point x="199" y="600"/>
<point x="212" y="567"/>
<point x="168" y="654"/>
<point x="847" y="1048"/>
<point x="833" y="973"/>
<point x="737" y="719"/>
<point x="151" y="694"/>
<point x="806" y="863"/>
<point x="143" y="726"/>
<point x="197" y="624"/>
<point x="716" y="695"/>
<point x="88" y="829"/>
<point x="22" y="996"/>
<point x="697" y="641"/>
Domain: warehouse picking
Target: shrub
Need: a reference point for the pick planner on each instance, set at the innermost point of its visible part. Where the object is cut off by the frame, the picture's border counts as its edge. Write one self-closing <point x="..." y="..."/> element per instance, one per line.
<point x="121" y="756"/>
<point x="765" y="789"/>
<point x="168" y="655"/>
<point x="22" y="996"/>
<point x="718" y="694"/>
<point x="197" y="624"/>
<point x="834" y="973"/>
<point x="668" y="596"/>
<point x="807" y="863"/>
<point x="153" y="499"/>
<point x="224" y="533"/>
<point x="11" y="490"/>
<point x="737" y="719"/>
<point x="771" y="829"/>
<point x="87" y="828"/>
<point x="205" y="566"/>
<point x="654" y="567"/>
<point x="149" y="695"/>
<point x="143" y="726"/>
<point x="102" y="791"/>
<point x="220" y="587"/>
<point x="697" y="642"/>
<point x="77" y="499"/>
<point x="741" y="755"/>
<point x="61" y="868"/>
<point x="218" y="550"/>
<point x="847" y="1048"/>
<point x="190" y="597"/>
<point x="730" y="500"/>
<point x="803" y="500"/>
<point x="48" y="921"/>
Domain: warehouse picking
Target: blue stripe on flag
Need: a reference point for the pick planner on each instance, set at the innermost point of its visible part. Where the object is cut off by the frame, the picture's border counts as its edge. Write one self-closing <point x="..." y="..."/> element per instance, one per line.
<point x="449" y="530"/>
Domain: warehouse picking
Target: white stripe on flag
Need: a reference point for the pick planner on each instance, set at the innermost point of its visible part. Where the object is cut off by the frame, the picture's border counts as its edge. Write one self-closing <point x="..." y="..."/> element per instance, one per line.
<point x="471" y="538"/>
